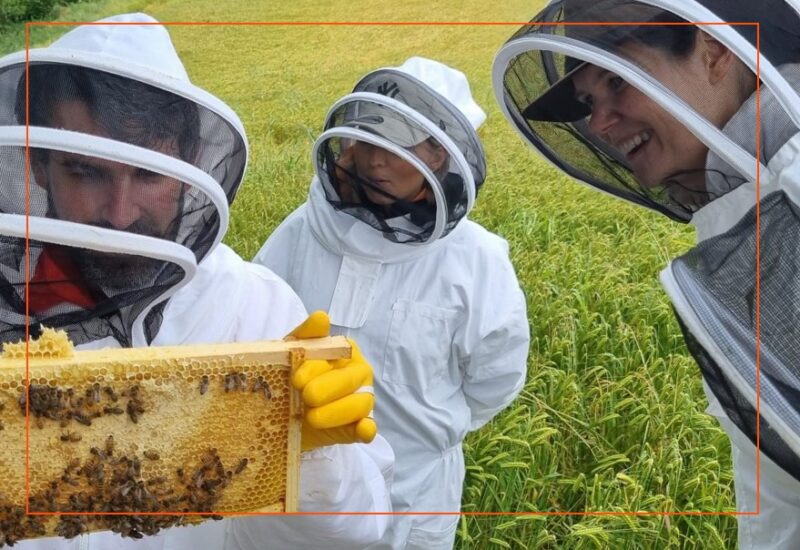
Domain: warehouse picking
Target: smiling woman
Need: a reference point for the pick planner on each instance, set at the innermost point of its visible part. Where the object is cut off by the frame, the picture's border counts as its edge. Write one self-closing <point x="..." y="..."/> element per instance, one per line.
<point x="671" y="110"/>
<point x="646" y="153"/>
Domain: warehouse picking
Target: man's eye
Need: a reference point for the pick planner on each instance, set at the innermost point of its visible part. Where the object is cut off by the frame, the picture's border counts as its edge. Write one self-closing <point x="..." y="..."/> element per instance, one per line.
<point x="84" y="173"/>
<point x="147" y="175"/>
<point x="586" y="100"/>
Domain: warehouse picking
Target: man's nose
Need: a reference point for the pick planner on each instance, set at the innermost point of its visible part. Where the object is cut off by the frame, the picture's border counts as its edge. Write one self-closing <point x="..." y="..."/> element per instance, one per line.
<point x="121" y="208"/>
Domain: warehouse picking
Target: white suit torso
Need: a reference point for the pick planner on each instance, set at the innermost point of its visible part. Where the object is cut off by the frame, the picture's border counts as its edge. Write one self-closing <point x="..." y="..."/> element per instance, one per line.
<point x="776" y="526"/>
<point x="444" y="326"/>
<point x="230" y="300"/>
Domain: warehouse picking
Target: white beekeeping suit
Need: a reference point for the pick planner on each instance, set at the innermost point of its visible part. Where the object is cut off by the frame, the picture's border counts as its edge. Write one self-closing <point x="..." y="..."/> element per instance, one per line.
<point x="543" y="82"/>
<point x="132" y="171"/>
<point x="430" y="296"/>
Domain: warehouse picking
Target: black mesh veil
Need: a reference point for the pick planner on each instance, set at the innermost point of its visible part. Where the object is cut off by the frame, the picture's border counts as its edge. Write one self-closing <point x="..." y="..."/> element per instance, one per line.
<point x="563" y="100"/>
<point x="664" y="113"/>
<point x="441" y="113"/>
<point x="729" y="319"/>
<point x="78" y="290"/>
<point x="137" y="180"/>
<point x="391" y="117"/>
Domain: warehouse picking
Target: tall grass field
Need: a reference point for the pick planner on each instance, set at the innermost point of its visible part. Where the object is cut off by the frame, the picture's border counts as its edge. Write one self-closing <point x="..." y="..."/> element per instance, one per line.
<point x="611" y="418"/>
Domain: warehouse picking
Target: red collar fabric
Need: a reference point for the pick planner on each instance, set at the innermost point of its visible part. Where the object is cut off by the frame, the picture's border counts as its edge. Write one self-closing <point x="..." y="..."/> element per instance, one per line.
<point x="55" y="282"/>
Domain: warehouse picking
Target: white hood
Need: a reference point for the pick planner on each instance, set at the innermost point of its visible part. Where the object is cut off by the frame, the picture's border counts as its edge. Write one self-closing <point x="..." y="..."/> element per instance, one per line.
<point x="111" y="101"/>
<point x="422" y="98"/>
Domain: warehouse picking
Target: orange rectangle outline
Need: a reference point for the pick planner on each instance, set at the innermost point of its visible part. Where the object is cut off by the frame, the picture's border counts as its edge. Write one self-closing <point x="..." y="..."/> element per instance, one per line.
<point x="757" y="25"/>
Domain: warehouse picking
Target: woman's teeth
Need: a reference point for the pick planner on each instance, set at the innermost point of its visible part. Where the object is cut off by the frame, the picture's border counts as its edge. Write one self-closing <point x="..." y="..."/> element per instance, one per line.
<point x="631" y="144"/>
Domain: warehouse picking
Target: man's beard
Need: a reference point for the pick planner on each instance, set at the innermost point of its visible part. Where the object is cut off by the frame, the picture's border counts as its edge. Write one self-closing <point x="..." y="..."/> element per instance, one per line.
<point x="117" y="272"/>
<point x="120" y="272"/>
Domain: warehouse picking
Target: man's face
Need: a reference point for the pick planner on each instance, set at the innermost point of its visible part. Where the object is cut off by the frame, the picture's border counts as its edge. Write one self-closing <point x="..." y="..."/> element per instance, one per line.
<point x="103" y="193"/>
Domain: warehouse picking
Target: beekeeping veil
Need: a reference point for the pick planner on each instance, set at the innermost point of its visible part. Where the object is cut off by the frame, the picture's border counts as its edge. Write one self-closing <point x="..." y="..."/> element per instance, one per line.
<point x="722" y="300"/>
<point x="131" y="171"/>
<point x="420" y="106"/>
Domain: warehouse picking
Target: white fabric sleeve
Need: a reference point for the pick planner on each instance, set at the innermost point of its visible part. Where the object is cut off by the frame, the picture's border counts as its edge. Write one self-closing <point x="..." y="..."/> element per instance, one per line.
<point x="278" y="252"/>
<point x="493" y="343"/>
<point x="284" y="313"/>
<point x="338" y="478"/>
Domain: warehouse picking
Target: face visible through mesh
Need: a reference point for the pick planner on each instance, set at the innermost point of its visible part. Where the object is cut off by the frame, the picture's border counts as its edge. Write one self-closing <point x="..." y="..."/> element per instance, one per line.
<point x="381" y="188"/>
<point x="602" y="130"/>
<point x="388" y="171"/>
<point x="104" y="193"/>
<point x="110" y="106"/>
<point x="107" y="197"/>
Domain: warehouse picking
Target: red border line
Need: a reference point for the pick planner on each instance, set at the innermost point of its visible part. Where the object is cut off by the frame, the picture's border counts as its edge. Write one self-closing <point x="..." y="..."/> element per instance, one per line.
<point x="758" y="269"/>
<point x="26" y="389"/>
<point x="385" y="23"/>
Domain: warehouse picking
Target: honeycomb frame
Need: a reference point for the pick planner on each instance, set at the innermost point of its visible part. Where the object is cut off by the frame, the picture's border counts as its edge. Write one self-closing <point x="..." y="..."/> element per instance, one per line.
<point x="196" y="431"/>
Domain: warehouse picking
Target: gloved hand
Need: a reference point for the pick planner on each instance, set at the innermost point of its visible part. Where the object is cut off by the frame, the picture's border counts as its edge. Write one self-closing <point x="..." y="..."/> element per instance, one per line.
<point x="338" y="395"/>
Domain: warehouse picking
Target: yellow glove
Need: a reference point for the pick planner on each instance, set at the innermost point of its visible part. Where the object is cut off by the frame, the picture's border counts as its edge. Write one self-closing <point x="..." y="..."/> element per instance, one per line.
<point x="338" y="394"/>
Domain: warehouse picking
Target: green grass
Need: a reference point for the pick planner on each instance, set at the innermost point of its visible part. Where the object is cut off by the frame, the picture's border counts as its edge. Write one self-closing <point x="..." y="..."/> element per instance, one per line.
<point x="611" y="418"/>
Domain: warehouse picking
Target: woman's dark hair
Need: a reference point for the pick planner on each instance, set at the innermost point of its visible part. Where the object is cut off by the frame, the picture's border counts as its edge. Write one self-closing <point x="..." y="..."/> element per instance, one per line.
<point x="677" y="40"/>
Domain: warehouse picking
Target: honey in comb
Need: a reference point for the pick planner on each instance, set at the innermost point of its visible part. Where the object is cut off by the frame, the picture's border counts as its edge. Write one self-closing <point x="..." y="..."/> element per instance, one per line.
<point x="218" y="451"/>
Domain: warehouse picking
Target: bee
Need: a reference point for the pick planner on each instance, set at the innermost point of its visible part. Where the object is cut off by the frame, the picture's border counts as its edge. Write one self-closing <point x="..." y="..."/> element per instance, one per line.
<point x="96" y="474"/>
<point x="113" y="410"/>
<point x="80" y="417"/>
<point x="66" y="478"/>
<point x="151" y="455"/>
<point x="36" y="526"/>
<point x="134" y="409"/>
<point x="210" y="485"/>
<point x="111" y="393"/>
<point x="230" y="382"/>
<point x="93" y="393"/>
<point x="181" y="475"/>
<point x="98" y="453"/>
<point x="204" y="385"/>
<point x="71" y="436"/>
<point x="126" y="487"/>
<point x="38" y="503"/>
<point x="70" y="526"/>
<point x="132" y="391"/>
<point x="110" y="445"/>
<point x="197" y="479"/>
<point x="263" y="386"/>
<point x="241" y="466"/>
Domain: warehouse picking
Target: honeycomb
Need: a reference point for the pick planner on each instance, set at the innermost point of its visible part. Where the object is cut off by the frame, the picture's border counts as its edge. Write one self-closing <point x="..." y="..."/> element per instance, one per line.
<point x="191" y="430"/>
<point x="52" y="343"/>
